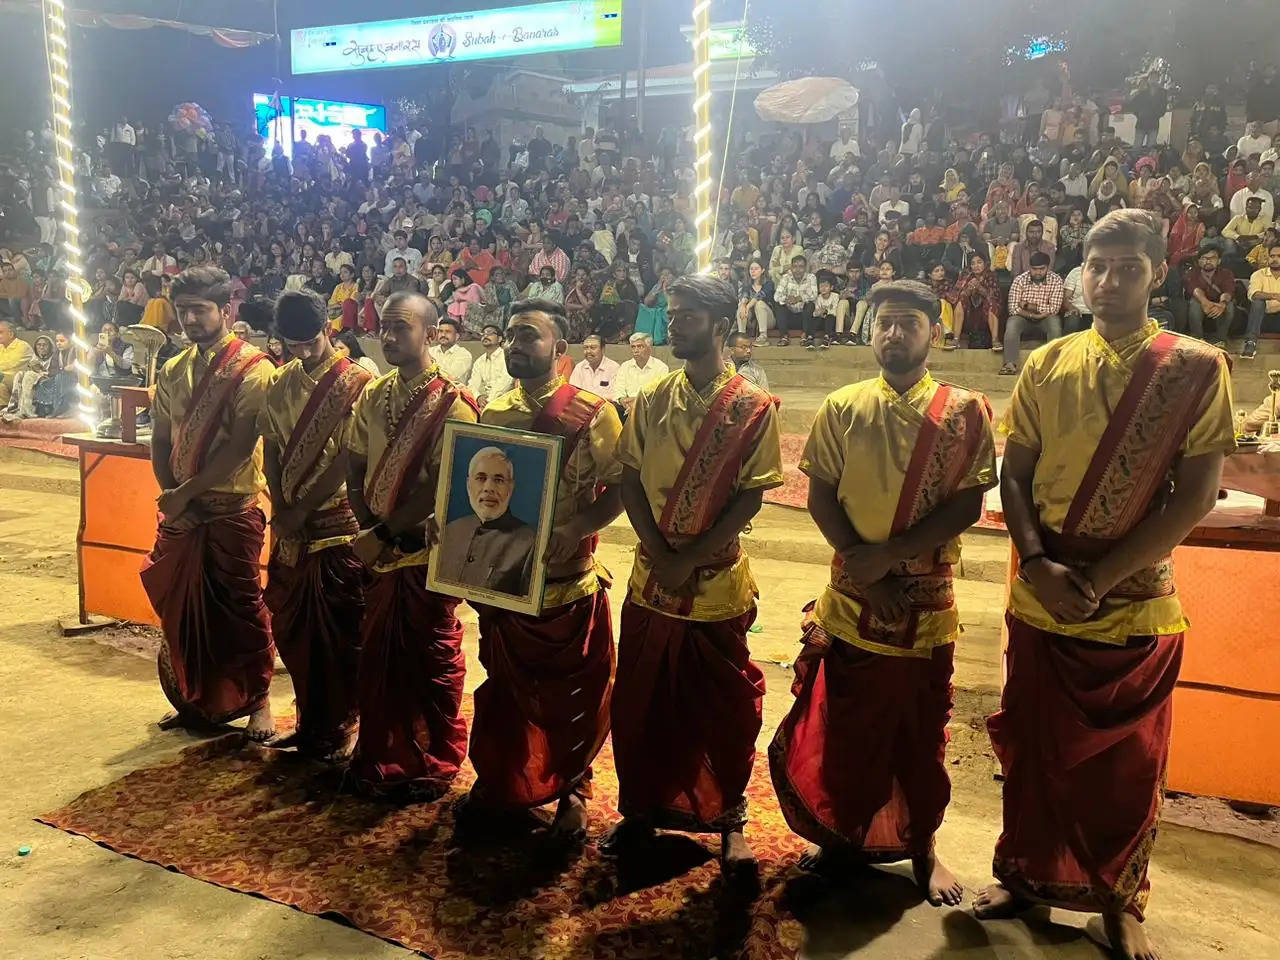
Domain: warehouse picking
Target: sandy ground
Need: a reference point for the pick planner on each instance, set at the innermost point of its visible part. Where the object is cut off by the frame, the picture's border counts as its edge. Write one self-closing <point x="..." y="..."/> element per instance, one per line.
<point x="76" y="713"/>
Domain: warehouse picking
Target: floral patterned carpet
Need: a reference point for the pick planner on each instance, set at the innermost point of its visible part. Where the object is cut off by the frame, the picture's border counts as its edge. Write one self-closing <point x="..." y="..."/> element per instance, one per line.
<point x="267" y="823"/>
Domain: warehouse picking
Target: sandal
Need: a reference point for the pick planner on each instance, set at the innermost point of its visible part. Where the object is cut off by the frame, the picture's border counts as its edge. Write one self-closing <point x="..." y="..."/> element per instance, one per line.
<point x="997" y="348"/>
<point x="1008" y="370"/>
<point x="784" y="342"/>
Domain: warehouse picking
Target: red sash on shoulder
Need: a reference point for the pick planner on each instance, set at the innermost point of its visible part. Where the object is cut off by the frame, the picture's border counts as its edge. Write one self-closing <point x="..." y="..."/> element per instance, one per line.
<point x="949" y="439"/>
<point x="708" y="480"/>
<point x="569" y="413"/>
<point x="419" y="430"/>
<point x="216" y="389"/>
<point x="1131" y="465"/>
<point x="329" y="404"/>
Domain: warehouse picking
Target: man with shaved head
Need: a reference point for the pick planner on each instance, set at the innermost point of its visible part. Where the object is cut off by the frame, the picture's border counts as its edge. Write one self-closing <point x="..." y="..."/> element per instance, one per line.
<point x="412" y="739"/>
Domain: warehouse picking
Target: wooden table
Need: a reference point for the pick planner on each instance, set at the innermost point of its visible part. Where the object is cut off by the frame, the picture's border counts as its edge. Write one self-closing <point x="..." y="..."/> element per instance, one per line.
<point x="118" y="520"/>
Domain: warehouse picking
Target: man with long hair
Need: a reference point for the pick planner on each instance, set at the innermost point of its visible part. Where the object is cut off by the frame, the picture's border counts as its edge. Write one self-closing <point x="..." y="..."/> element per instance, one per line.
<point x="698" y="452"/>
<point x="202" y="576"/>
<point x="1116" y="437"/>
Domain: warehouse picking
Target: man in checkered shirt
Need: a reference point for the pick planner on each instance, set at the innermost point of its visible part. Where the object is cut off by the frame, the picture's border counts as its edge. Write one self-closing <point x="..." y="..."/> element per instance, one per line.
<point x="1035" y="302"/>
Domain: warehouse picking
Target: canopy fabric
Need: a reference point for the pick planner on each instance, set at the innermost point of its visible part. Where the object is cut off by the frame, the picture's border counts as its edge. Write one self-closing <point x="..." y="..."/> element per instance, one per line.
<point x="807" y="100"/>
<point x="223" y="36"/>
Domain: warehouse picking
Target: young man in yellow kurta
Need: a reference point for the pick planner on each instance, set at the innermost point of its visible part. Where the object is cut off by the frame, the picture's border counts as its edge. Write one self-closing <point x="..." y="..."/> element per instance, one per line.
<point x="1115" y="449"/>
<point x="202" y="576"/>
<point x="315" y="585"/>
<point x="699" y="450"/>
<point x="897" y="469"/>
<point x="15" y="354"/>
<point x="542" y="714"/>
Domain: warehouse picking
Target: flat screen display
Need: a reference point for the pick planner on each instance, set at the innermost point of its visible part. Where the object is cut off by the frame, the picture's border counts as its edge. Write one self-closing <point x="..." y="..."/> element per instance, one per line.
<point x="285" y="120"/>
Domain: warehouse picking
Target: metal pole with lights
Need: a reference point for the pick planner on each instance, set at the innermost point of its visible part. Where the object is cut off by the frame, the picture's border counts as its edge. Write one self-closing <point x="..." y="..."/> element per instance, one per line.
<point x="57" y="53"/>
<point x="702" y="199"/>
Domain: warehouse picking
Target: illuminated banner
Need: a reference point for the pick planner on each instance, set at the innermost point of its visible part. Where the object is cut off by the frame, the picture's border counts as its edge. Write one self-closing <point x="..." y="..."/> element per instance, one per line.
<point x="474" y="35"/>
<point x="332" y="118"/>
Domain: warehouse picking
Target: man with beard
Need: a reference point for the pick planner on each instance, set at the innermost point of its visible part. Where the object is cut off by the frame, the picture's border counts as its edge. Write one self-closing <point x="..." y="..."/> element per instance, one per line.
<point x="412" y="739"/>
<point x="858" y="763"/>
<point x="543" y="712"/>
<point x="491" y="547"/>
<point x="202" y="576"/>
<point x="1095" y="624"/>
<point x="315" y="586"/>
<point x="698" y="451"/>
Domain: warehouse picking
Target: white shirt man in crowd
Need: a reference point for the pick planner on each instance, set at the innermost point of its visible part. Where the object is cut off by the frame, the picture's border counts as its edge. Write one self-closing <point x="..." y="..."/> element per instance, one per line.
<point x="596" y="372"/>
<point x="1254" y="189"/>
<point x="489" y="377"/>
<point x="412" y="258"/>
<point x="894" y="202"/>
<point x="846" y="146"/>
<point x="452" y="357"/>
<point x="1253" y="142"/>
<point x="637" y="373"/>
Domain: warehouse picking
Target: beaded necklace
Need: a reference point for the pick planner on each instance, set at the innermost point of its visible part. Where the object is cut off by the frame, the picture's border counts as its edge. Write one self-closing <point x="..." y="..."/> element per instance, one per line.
<point x="393" y="420"/>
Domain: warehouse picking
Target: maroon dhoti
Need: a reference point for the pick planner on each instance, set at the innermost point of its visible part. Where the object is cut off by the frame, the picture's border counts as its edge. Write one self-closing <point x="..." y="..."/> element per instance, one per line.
<point x="1083" y="736"/>
<point x="411" y="673"/>
<point x="316" y="607"/>
<point x="859" y="760"/>
<point x="217" y="657"/>
<point x="686" y="712"/>
<point x="542" y="714"/>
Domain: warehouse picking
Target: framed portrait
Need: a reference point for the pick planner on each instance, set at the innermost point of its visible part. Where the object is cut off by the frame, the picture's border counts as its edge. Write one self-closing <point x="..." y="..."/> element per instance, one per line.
<point x="494" y="507"/>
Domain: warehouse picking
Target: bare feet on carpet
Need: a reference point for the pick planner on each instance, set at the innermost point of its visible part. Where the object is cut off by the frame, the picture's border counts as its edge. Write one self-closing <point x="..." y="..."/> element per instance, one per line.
<point x="996" y="902"/>
<point x="938" y="884"/>
<point x="1128" y="938"/>
<point x="737" y="862"/>
<point x="570" y="824"/>
<point x="262" y="726"/>
<point x="628" y="832"/>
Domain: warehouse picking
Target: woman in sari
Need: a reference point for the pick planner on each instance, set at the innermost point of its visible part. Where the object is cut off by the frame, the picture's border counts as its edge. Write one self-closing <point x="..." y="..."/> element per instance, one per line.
<point x="465" y="304"/>
<point x="1143" y="181"/>
<point x="1005" y="186"/>
<point x="942" y="280"/>
<point x="1027" y="204"/>
<point x="615" y="312"/>
<point x="1204" y="190"/>
<point x="499" y="294"/>
<point x="1110" y="170"/>
<point x="951" y="184"/>
<point x="651" y="318"/>
<point x="436" y="253"/>
<point x="343" y="308"/>
<point x="275" y="350"/>
<point x="1237" y="180"/>
<point x="976" y="299"/>
<point x="1159" y="201"/>
<point x="1185" y="236"/>
<point x="1193" y="155"/>
<point x="22" y="399"/>
<point x="579" y="301"/>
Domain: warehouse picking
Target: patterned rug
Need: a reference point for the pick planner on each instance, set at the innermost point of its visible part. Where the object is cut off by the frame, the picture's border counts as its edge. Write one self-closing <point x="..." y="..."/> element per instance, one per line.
<point x="267" y="823"/>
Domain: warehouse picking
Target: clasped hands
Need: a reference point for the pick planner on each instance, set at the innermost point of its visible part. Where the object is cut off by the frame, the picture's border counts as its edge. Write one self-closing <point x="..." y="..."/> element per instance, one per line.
<point x="868" y="565"/>
<point x="1067" y="594"/>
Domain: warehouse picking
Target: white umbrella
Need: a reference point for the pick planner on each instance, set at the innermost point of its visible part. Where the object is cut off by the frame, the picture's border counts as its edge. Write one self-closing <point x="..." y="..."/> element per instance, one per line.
<point x="807" y="100"/>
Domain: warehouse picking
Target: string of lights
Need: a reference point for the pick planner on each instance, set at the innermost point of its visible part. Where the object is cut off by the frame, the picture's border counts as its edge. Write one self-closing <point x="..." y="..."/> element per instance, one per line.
<point x="57" y="53"/>
<point x="702" y="199"/>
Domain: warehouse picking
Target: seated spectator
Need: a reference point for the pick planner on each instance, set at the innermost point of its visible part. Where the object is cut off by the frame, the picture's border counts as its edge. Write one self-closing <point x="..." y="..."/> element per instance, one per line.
<point x="637" y="373"/>
<point x="1040" y="214"/>
<point x="465" y="305"/>
<point x="489" y="377"/>
<point x="1110" y="172"/>
<point x="852" y="297"/>
<point x="400" y="279"/>
<point x="1035" y="303"/>
<point x="738" y="345"/>
<point x="595" y="372"/>
<point x="453" y="358"/>
<point x="1075" y="312"/>
<point x="942" y="281"/>
<point x="1252" y="190"/>
<point x="619" y="299"/>
<point x="755" y="303"/>
<point x="111" y="357"/>
<point x="1264" y="300"/>
<point x="14" y="289"/>
<point x="343" y="308"/>
<point x="1254" y="142"/>
<point x="1071" y="243"/>
<point x="15" y="356"/>
<point x="794" y="296"/>
<point x="579" y="303"/>
<point x="785" y="252"/>
<point x="22" y="397"/>
<point x="1245" y="230"/>
<point x="832" y="254"/>
<point x="1075" y="184"/>
<point x="1210" y="290"/>
<point x="546" y="287"/>
<point x="1033" y="242"/>
<point x="402" y="250"/>
<point x="1260" y="254"/>
<point x="347" y="344"/>
<point x="824" y="308"/>
<point x="651" y="316"/>
<point x="881" y="251"/>
<point x="976" y="297"/>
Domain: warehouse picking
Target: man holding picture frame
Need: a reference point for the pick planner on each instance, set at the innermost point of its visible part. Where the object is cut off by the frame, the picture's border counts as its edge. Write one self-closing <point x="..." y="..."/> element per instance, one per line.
<point x="699" y="450"/>
<point x="412" y="738"/>
<point x="542" y="714"/>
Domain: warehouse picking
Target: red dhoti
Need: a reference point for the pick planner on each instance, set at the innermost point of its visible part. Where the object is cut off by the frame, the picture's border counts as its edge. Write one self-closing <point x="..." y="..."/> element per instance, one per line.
<point x="316" y="607"/>
<point x="686" y="712"/>
<point x="410" y="688"/>
<point x="543" y="712"/>
<point x="859" y="761"/>
<point x="1083" y="737"/>
<point x="217" y="657"/>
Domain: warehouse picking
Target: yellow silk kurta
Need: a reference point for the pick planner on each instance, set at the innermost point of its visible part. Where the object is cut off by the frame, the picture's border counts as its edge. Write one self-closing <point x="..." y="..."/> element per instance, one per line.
<point x="655" y="441"/>
<point x="368" y="436"/>
<point x="593" y="462"/>
<point x="288" y="393"/>
<point x="13" y="357"/>
<point x="1061" y="405"/>
<point x="177" y="381"/>
<point x="862" y="443"/>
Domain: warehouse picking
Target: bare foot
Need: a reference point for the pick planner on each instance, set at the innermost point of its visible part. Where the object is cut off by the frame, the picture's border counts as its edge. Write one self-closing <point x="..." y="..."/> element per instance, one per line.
<point x="737" y="862"/>
<point x="936" y="882"/>
<point x="829" y="861"/>
<point x="262" y="726"/>
<point x="1128" y="938"/>
<point x="996" y="902"/>
<point x="628" y="832"/>
<point x="570" y="824"/>
<point x="283" y="743"/>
